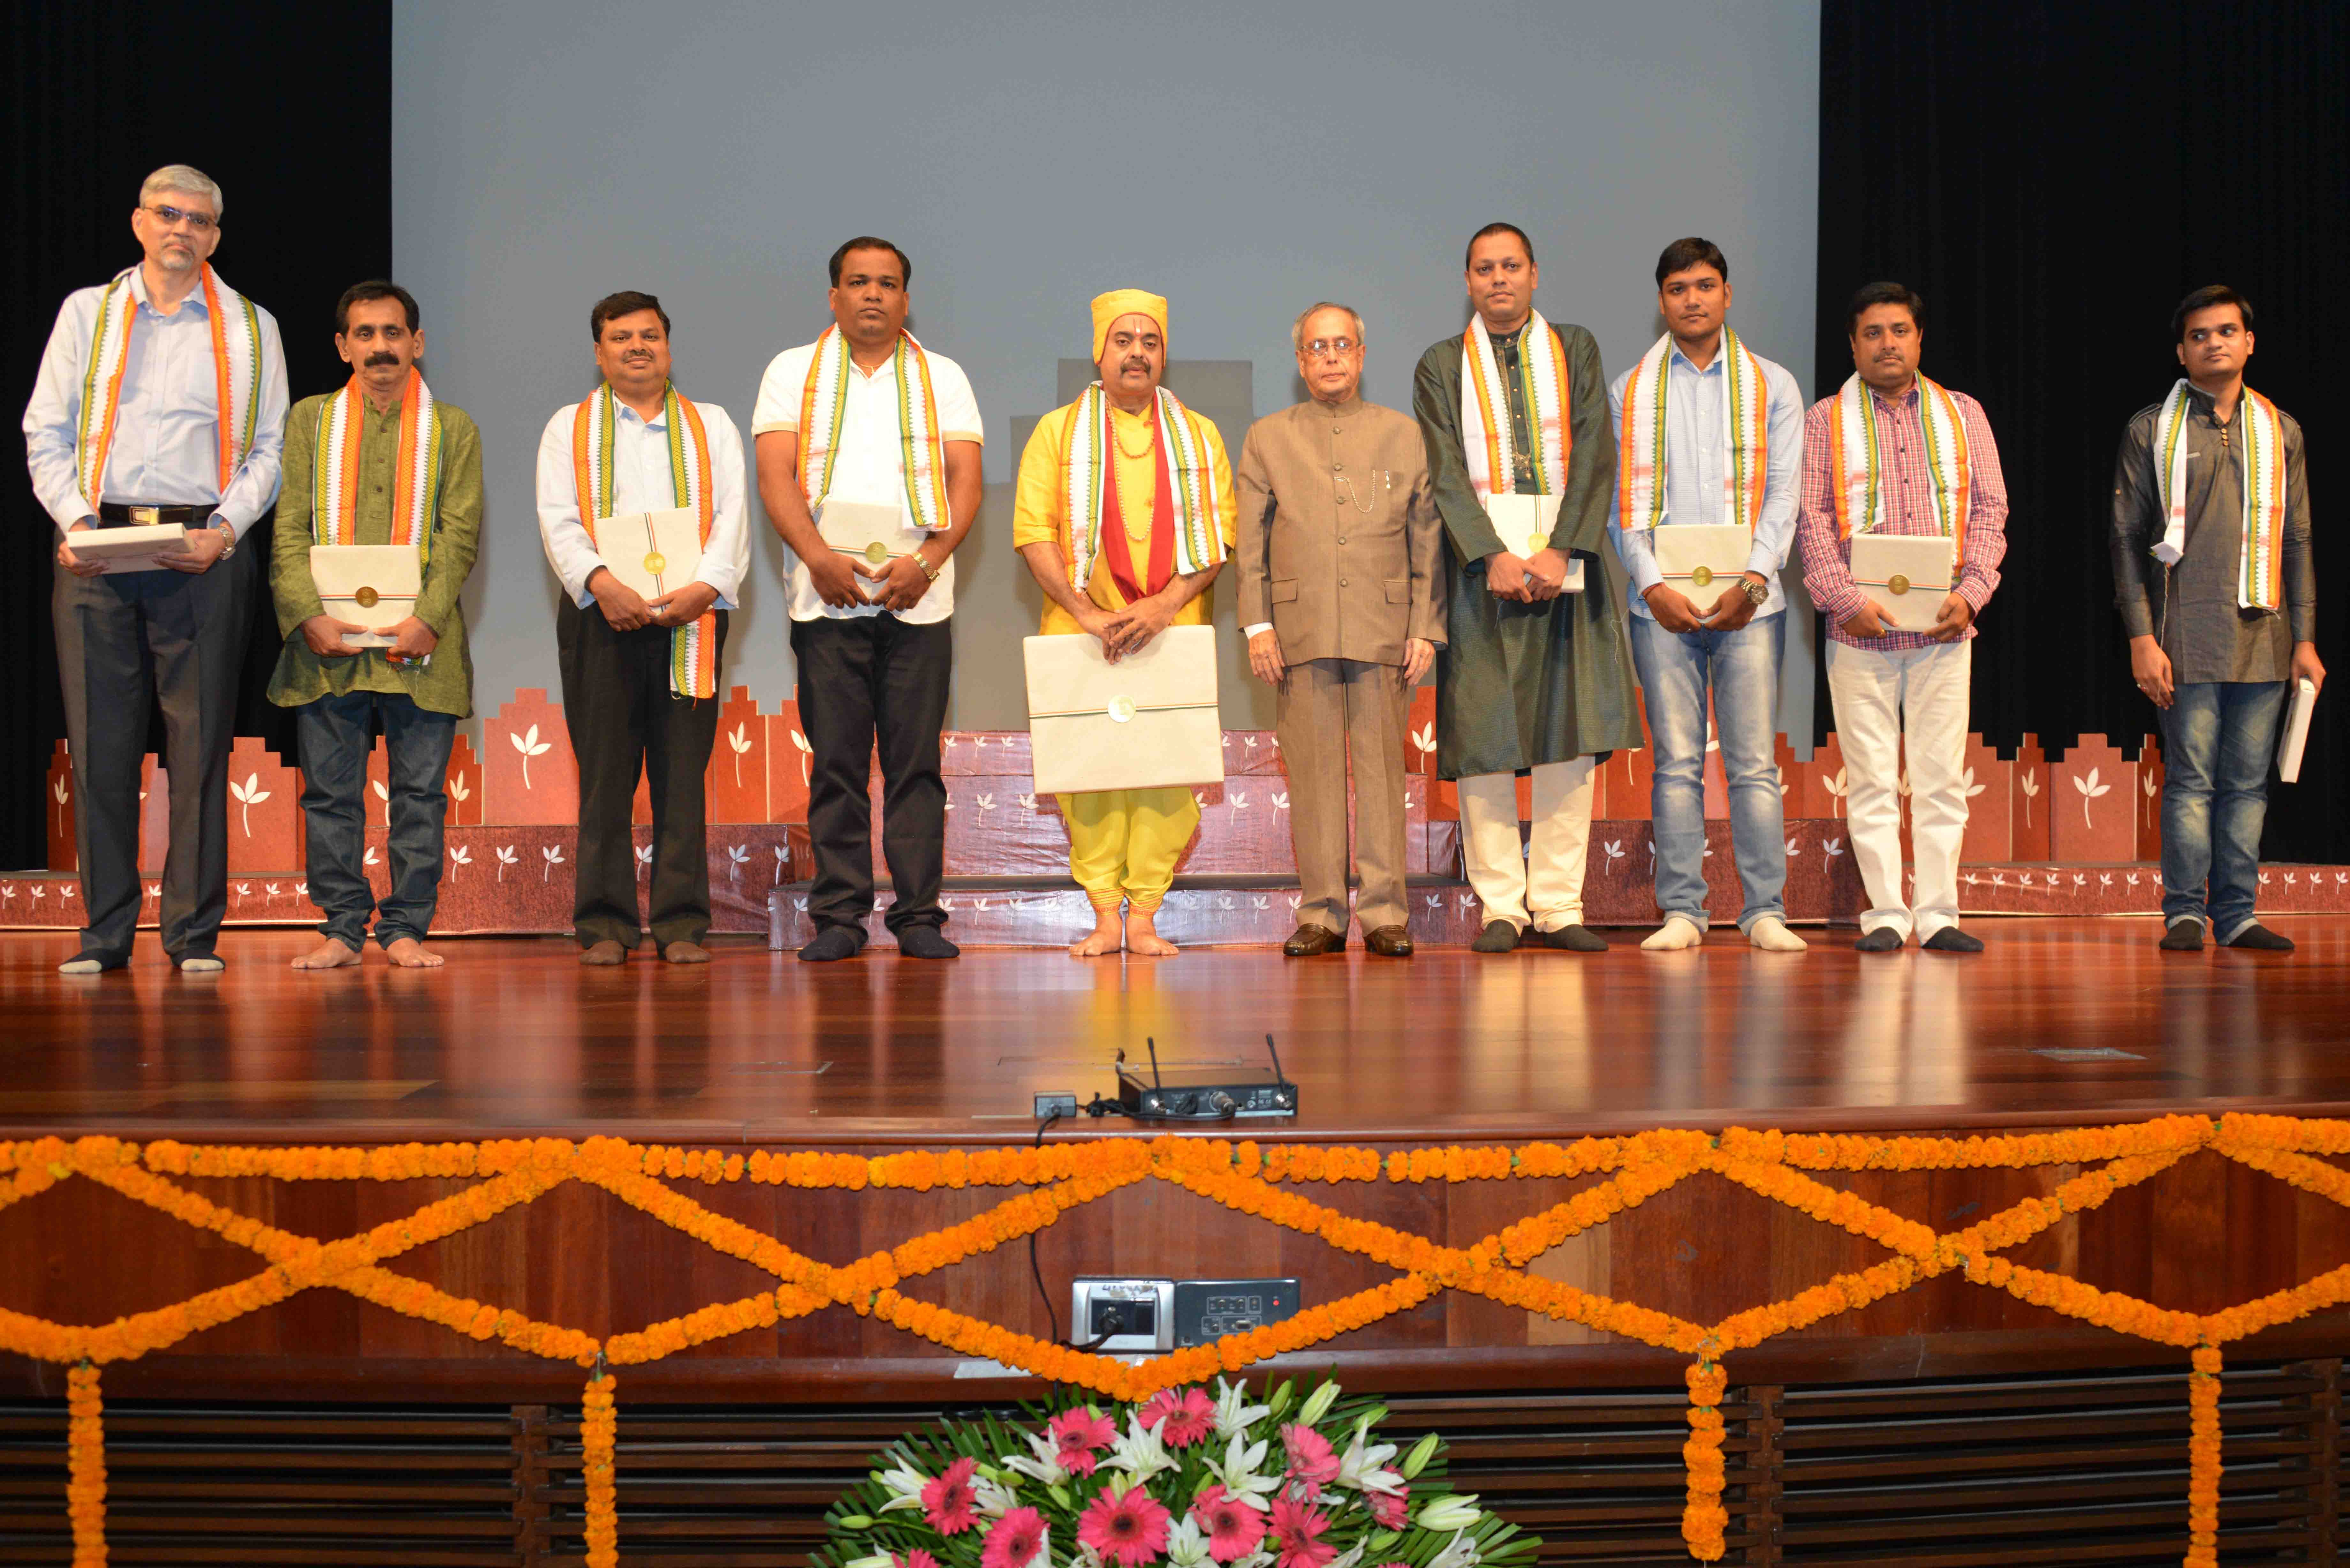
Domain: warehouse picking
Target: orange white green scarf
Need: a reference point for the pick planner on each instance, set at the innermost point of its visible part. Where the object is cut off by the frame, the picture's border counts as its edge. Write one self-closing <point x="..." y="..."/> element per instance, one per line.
<point x="416" y="474"/>
<point x="694" y="648"/>
<point x="824" y="399"/>
<point x="1086" y="475"/>
<point x="1857" y="462"/>
<point x="1640" y="462"/>
<point x="1485" y="433"/>
<point x="236" y="369"/>
<point x="2260" y="579"/>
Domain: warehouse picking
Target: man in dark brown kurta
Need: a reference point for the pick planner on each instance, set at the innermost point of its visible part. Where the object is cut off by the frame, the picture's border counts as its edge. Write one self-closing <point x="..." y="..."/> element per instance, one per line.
<point x="1339" y="600"/>
<point x="1534" y="679"/>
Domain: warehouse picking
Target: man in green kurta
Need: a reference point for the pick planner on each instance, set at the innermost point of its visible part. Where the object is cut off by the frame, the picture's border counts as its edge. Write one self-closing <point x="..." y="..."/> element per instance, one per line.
<point x="380" y="462"/>
<point x="1536" y="677"/>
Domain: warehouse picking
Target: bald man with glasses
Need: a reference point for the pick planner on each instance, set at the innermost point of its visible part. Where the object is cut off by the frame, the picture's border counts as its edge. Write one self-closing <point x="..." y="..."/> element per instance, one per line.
<point x="1337" y="560"/>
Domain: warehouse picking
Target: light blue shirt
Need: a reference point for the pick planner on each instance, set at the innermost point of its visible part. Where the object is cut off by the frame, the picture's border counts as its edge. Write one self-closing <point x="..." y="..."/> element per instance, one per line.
<point x="166" y="447"/>
<point x="1696" y="448"/>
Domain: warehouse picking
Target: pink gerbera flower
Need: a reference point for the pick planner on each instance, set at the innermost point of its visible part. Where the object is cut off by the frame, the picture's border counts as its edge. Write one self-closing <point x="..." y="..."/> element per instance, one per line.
<point x="1391" y="1508"/>
<point x="1298" y="1527"/>
<point x="1129" y="1530"/>
<point x="1310" y="1459"/>
<point x="1078" y="1435"/>
<point x="1013" y="1541"/>
<point x="918" y="1558"/>
<point x="1188" y="1417"/>
<point x="948" y="1501"/>
<point x="1234" y="1529"/>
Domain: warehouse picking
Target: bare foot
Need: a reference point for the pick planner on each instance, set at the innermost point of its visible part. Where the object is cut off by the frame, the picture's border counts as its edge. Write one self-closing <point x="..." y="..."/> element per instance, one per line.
<point x="328" y="954"/>
<point x="1104" y="938"/>
<point x="1142" y="937"/>
<point x="410" y="953"/>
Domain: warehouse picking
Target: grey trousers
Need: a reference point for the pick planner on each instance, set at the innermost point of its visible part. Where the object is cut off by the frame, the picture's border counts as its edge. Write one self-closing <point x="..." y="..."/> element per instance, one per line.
<point x="1328" y="708"/>
<point x="124" y="642"/>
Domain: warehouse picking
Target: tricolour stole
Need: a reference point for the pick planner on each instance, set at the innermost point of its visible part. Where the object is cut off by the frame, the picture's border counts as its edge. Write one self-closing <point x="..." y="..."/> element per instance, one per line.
<point x="237" y="371"/>
<point x="1857" y="462"/>
<point x="1640" y="466"/>
<point x="1485" y="409"/>
<point x="2260" y="577"/>
<point x="416" y="476"/>
<point x="1086" y="475"/>
<point x="824" y="399"/>
<point x="693" y="649"/>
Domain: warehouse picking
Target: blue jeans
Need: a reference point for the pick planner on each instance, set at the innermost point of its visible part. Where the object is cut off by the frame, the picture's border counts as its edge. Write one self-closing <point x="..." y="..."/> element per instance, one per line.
<point x="337" y="734"/>
<point x="2217" y="740"/>
<point x="1743" y="667"/>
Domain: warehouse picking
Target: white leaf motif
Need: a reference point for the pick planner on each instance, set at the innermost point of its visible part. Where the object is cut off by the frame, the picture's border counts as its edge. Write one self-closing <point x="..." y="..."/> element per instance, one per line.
<point x="553" y="855"/>
<point x="529" y="746"/>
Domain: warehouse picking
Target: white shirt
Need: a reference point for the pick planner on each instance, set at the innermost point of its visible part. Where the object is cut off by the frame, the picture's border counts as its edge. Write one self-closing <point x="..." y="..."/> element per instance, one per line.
<point x="166" y="446"/>
<point x="641" y="482"/>
<point x="869" y="465"/>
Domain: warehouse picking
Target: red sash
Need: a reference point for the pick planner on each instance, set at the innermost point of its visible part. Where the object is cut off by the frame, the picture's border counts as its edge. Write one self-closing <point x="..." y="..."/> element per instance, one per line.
<point x="1163" y="534"/>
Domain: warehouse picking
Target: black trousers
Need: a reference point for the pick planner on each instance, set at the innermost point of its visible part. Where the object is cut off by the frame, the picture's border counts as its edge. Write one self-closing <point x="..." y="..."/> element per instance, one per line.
<point x="865" y="679"/>
<point x="128" y="642"/>
<point x="624" y="720"/>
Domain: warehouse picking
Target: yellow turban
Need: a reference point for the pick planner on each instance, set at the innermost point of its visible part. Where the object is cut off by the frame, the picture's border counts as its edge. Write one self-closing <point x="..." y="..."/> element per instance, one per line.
<point x="1118" y="302"/>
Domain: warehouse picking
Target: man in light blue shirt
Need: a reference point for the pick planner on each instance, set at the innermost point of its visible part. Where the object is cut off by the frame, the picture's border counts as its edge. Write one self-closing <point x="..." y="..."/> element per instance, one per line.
<point x="1723" y="446"/>
<point x="161" y="399"/>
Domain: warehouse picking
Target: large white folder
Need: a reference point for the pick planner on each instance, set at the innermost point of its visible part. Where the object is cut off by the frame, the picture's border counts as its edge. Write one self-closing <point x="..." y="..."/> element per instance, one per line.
<point x="1701" y="560"/>
<point x="655" y="553"/>
<point x="1147" y="721"/>
<point x="1908" y="576"/>
<point x="131" y="547"/>
<point x="373" y="586"/>
<point x="1524" y="523"/>
<point x="2294" y="735"/>
<point x="871" y="534"/>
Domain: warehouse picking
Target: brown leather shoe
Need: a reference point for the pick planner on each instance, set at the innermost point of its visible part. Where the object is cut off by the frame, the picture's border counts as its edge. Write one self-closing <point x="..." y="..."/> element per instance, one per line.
<point x="686" y="952"/>
<point x="1310" y="940"/>
<point x="605" y="954"/>
<point x="1389" y="942"/>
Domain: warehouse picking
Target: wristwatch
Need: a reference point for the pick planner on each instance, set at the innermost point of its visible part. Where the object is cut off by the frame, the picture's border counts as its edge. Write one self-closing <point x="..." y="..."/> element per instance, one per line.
<point x="228" y="537"/>
<point x="1756" y="593"/>
<point x="928" y="570"/>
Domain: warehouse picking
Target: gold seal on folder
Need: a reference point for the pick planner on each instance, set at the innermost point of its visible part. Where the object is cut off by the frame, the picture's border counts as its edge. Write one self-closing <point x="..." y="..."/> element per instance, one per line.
<point x="1120" y="710"/>
<point x="876" y="552"/>
<point x="1898" y="584"/>
<point x="1702" y="575"/>
<point x="656" y="563"/>
<point x="366" y="597"/>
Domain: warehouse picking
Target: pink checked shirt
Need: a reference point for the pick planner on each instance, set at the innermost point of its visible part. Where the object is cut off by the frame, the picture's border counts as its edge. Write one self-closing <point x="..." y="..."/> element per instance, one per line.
<point x="1908" y="509"/>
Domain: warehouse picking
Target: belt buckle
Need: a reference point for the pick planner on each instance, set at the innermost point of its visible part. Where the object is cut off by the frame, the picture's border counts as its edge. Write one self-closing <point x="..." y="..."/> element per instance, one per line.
<point x="146" y="515"/>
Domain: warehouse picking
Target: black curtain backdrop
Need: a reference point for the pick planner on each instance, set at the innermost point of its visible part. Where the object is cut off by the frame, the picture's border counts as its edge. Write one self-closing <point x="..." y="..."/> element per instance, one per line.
<point x="288" y="106"/>
<point x="2052" y="179"/>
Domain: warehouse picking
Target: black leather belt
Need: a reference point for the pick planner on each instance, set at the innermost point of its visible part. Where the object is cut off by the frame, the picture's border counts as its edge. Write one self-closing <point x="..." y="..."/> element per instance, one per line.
<point x="186" y="516"/>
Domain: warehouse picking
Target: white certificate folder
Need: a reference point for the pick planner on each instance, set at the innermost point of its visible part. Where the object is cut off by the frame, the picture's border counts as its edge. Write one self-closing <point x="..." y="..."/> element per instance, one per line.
<point x="127" y="548"/>
<point x="655" y="553"/>
<point x="372" y="586"/>
<point x="1908" y="575"/>
<point x="1147" y="722"/>
<point x="2296" y="734"/>
<point x="1524" y="523"/>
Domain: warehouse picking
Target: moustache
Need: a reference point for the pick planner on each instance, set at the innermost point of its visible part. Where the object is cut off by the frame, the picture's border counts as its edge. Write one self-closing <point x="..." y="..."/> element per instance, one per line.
<point x="1143" y="365"/>
<point x="375" y="359"/>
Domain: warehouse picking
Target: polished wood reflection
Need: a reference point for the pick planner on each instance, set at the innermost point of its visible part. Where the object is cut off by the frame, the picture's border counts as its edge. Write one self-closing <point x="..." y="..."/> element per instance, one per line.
<point x="514" y="1036"/>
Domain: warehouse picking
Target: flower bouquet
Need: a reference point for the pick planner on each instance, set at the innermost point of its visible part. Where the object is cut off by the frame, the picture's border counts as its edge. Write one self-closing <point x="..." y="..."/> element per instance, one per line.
<point x="1181" y="1479"/>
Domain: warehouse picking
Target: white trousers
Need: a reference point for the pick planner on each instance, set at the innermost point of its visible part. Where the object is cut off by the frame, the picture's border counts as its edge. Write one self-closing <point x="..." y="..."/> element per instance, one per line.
<point x="1544" y="876"/>
<point x="1920" y="695"/>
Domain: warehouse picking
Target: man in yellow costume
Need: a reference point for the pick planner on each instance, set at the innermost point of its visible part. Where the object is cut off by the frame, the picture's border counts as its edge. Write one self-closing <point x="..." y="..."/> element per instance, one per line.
<point x="1124" y="513"/>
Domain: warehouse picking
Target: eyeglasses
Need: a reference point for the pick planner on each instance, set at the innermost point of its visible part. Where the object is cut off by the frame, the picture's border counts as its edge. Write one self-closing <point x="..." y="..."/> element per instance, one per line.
<point x="1331" y="348"/>
<point x="200" y="221"/>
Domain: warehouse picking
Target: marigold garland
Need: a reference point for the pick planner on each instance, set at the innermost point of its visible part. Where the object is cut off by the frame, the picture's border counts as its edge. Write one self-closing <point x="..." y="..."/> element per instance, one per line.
<point x="1247" y="1177"/>
<point x="599" y="1428"/>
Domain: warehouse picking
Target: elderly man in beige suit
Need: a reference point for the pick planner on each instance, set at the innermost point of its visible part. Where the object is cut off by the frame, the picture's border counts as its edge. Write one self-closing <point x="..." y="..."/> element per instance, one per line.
<point x="1337" y="557"/>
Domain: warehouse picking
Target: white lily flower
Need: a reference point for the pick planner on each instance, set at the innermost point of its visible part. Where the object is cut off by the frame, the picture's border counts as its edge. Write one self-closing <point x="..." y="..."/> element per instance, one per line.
<point x="992" y="1497"/>
<point x="1348" y="1558"/>
<point x="905" y="1484"/>
<point x="1139" y="1453"/>
<point x="1318" y="1404"/>
<point x="1458" y="1553"/>
<point x="1258" y="1559"/>
<point x="1044" y="1467"/>
<point x="1234" y="1414"/>
<point x="1450" y="1513"/>
<point x="1187" y="1545"/>
<point x="1237" y="1474"/>
<point x="1360" y="1466"/>
<point x="879" y="1560"/>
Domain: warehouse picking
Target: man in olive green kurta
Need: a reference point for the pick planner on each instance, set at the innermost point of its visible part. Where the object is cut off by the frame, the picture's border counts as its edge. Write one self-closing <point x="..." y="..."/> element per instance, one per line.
<point x="1534" y="679"/>
<point x="415" y="691"/>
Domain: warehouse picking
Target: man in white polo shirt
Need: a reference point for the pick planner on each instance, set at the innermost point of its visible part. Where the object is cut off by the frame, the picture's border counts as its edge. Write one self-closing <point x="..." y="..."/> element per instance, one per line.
<point x="865" y="415"/>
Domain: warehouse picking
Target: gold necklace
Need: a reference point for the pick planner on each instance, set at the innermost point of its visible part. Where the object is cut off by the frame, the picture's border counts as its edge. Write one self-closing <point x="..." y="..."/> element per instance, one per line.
<point x="1147" y="446"/>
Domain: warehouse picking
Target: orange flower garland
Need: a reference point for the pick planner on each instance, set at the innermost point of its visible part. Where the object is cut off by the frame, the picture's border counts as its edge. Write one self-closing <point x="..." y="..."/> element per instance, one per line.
<point x="86" y="1466"/>
<point x="1247" y="1177"/>
<point x="599" y="1428"/>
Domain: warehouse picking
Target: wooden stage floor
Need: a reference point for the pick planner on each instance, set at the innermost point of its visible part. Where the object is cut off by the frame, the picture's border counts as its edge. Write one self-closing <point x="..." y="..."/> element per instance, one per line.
<point x="514" y="1037"/>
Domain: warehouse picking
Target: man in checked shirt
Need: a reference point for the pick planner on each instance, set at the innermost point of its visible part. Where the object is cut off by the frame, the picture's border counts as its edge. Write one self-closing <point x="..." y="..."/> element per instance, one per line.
<point x="1894" y="686"/>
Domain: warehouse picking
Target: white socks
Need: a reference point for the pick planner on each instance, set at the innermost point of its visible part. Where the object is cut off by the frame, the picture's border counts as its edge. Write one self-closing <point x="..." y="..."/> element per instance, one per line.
<point x="1771" y="934"/>
<point x="1677" y="931"/>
